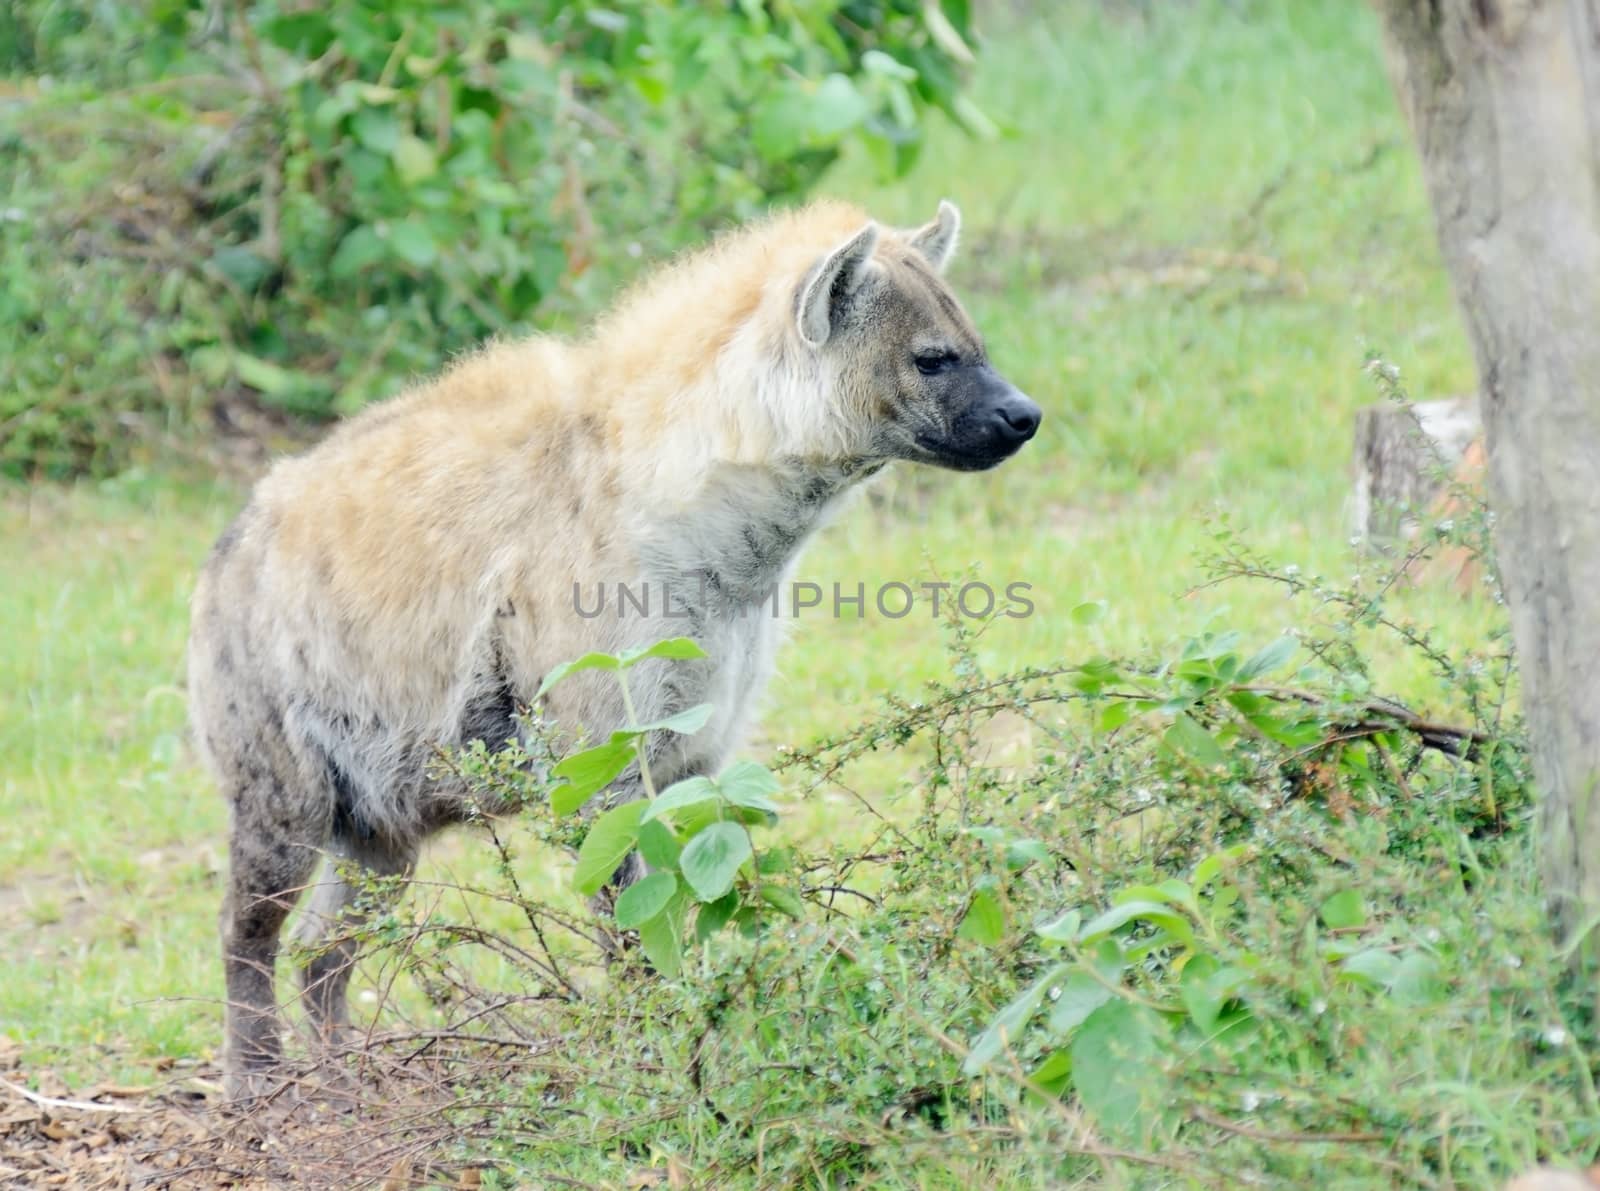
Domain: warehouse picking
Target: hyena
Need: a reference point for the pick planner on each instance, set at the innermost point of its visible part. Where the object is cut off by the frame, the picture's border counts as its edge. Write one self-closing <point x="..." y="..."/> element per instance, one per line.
<point x="406" y="584"/>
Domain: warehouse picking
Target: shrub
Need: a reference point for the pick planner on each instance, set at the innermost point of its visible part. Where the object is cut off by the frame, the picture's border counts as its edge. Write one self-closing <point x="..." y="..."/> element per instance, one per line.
<point x="311" y="205"/>
<point x="1240" y="921"/>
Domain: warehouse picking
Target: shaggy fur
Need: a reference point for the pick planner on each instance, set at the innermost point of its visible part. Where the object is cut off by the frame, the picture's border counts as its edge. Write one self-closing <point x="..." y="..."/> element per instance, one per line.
<point x="408" y="583"/>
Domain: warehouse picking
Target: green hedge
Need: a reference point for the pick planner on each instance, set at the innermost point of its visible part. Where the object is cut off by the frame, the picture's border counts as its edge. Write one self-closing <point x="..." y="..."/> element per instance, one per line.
<point x="305" y="206"/>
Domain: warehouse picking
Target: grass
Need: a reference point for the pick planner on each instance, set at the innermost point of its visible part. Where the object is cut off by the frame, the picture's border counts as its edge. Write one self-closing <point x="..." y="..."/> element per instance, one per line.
<point x="1166" y="398"/>
<point x="1198" y="223"/>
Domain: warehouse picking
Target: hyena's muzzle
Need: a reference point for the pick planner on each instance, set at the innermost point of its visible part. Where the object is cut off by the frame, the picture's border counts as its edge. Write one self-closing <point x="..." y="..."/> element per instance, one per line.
<point x="990" y="420"/>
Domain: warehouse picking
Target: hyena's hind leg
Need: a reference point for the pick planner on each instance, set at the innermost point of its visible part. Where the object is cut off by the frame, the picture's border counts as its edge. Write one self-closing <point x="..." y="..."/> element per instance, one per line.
<point x="333" y="915"/>
<point x="268" y="868"/>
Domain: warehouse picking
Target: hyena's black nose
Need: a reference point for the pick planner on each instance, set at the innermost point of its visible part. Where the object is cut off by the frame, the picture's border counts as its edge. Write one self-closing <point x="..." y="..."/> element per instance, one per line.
<point x="1015" y="418"/>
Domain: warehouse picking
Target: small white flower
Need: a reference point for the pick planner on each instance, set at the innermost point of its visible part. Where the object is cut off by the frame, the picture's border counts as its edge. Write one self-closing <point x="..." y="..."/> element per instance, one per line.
<point x="1555" y="1036"/>
<point x="1319" y="1007"/>
<point x="1513" y="962"/>
<point x="1250" y="1101"/>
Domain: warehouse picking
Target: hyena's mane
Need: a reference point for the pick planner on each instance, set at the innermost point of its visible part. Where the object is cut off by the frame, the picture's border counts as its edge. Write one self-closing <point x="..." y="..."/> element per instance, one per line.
<point x="699" y="360"/>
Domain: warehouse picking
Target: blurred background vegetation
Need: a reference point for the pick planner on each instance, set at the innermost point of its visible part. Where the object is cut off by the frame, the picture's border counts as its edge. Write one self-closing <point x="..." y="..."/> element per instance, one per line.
<point x="298" y="207"/>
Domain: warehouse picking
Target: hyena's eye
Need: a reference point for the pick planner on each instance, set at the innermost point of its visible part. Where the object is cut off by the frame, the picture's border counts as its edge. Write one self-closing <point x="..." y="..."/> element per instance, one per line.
<point x="933" y="363"/>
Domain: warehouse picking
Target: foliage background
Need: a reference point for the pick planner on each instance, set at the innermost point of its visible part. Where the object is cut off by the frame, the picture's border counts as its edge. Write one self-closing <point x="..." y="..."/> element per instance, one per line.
<point x="303" y="206"/>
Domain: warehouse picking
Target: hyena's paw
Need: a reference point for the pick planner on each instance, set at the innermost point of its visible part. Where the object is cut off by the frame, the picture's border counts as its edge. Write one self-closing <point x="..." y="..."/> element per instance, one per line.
<point x="248" y="1087"/>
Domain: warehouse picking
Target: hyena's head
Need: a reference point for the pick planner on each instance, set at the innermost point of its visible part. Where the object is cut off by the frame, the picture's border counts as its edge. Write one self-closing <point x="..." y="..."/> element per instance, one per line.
<point x="907" y="366"/>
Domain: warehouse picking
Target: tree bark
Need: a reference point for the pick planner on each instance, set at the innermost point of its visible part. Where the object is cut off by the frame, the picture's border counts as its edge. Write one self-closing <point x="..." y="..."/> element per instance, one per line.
<point x="1405" y="457"/>
<point x="1503" y="97"/>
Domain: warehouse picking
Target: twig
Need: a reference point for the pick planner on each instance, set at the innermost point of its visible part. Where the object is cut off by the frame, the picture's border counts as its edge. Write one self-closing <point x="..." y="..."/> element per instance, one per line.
<point x="76" y="1105"/>
<point x="1254" y="1134"/>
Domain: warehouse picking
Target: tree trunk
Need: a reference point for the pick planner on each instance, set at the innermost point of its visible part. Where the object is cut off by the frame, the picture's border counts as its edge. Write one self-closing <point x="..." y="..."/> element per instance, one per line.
<point x="1405" y="458"/>
<point x="1504" y="99"/>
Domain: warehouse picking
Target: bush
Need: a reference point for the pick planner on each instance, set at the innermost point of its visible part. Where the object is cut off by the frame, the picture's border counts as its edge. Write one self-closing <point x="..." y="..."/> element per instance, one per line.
<point x="309" y="206"/>
<point x="1239" y="921"/>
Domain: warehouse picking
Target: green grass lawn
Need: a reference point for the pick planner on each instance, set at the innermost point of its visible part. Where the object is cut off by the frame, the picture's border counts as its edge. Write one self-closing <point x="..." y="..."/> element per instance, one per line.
<point x="1193" y="230"/>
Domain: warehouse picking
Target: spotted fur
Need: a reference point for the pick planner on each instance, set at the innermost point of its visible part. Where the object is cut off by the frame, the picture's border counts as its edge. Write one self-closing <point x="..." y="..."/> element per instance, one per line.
<point x="407" y="584"/>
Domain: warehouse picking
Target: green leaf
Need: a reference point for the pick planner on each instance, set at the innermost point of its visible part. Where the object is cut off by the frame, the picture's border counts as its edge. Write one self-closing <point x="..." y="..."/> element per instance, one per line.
<point x="243" y="266"/>
<point x="747" y="784"/>
<point x="1022" y="852"/>
<point x="588" y="772"/>
<point x="1054" y="1074"/>
<point x="645" y="898"/>
<point x="973" y="119"/>
<point x="1188" y="738"/>
<point x="1343" y="910"/>
<point x="377" y="129"/>
<point x="689" y="792"/>
<point x="1094" y="675"/>
<point x="1373" y="968"/>
<point x="1116" y="713"/>
<point x="1169" y="893"/>
<point x="414" y="243"/>
<point x="784" y="899"/>
<point x="1064" y="928"/>
<point x="1157" y="913"/>
<point x="610" y="839"/>
<point x="414" y="159"/>
<point x="1081" y="994"/>
<point x="775" y="860"/>
<point x="675" y="648"/>
<point x="778" y="124"/>
<point x="264" y="376"/>
<point x="360" y="249"/>
<point x="713" y="916"/>
<point x="1207" y="990"/>
<point x="1269" y="659"/>
<point x="1089" y="613"/>
<point x="589" y="661"/>
<point x="944" y="34"/>
<point x="689" y="821"/>
<point x="711" y="860"/>
<point x="879" y="63"/>
<point x="1010" y="1021"/>
<point x="305" y="33"/>
<point x="1211" y="867"/>
<point x="985" y="921"/>
<point x="1416" y="980"/>
<point x="661" y="938"/>
<point x="374" y="93"/>
<point x="836" y="107"/>
<point x="1116" y="1068"/>
<point x="658" y="847"/>
<point x="685" y="723"/>
<point x="1200" y="998"/>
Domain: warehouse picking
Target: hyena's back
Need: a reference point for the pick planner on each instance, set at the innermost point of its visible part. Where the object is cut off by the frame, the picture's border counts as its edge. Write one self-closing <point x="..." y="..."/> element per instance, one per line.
<point x="377" y="597"/>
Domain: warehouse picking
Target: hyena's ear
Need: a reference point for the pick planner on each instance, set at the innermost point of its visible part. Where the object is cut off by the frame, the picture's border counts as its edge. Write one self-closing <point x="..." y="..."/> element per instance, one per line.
<point x="937" y="241"/>
<point x="828" y="286"/>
